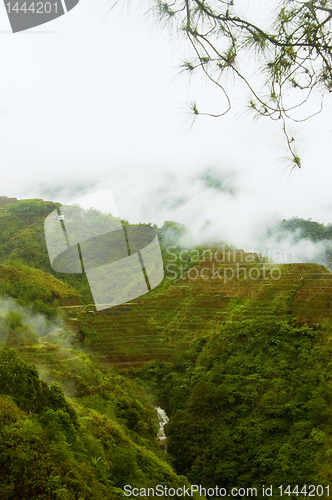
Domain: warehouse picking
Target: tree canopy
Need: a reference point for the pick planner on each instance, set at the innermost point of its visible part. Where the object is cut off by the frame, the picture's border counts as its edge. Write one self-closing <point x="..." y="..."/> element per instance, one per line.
<point x="286" y="45"/>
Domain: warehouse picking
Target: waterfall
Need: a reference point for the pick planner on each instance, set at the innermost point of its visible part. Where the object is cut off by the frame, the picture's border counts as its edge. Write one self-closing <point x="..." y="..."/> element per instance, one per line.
<point x="163" y="419"/>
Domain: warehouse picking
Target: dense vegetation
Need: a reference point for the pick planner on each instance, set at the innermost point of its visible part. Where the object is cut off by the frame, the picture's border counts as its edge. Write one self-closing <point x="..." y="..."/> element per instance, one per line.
<point x="306" y="229"/>
<point x="249" y="397"/>
<point x="250" y="404"/>
<point x="22" y="243"/>
<point x="51" y="449"/>
<point x="302" y="230"/>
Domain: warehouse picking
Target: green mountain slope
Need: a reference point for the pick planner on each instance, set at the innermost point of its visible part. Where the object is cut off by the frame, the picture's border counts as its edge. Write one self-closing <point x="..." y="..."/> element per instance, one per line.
<point x="22" y="239"/>
<point x="236" y="349"/>
<point x="222" y="287"/>
<point x="89" y="448"/>
<point x="250" y="403"/>
<point x="21" y="281"/>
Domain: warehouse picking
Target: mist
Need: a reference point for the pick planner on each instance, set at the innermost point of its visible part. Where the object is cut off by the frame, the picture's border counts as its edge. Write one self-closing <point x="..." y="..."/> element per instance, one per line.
<point x="99" y="103"/>
<point x="37" y="323"/>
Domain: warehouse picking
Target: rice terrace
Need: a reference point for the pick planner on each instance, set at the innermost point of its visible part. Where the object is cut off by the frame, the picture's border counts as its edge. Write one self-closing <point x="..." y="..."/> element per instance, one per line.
<point x="230" y="355"/>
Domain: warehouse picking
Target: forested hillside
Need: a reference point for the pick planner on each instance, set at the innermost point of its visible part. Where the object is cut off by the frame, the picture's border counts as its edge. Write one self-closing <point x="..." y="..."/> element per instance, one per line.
<point x="305" y="231"/>
<point x="250" y="404"/>
<point x="304" y="228"/>
<point x="88" y="448"/>
<point x="235" y="348"/>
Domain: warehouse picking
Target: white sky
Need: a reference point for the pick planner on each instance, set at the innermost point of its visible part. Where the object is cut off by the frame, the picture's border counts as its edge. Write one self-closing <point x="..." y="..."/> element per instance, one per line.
<point x="93" y="101"/>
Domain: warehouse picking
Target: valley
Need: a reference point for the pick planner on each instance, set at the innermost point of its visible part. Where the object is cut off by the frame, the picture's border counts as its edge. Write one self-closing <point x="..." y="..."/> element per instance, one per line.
<point x="236" y="350"/>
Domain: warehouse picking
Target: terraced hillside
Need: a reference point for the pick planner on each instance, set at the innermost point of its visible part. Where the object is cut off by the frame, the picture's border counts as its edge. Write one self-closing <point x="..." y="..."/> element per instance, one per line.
<point x="223" y="286"/>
